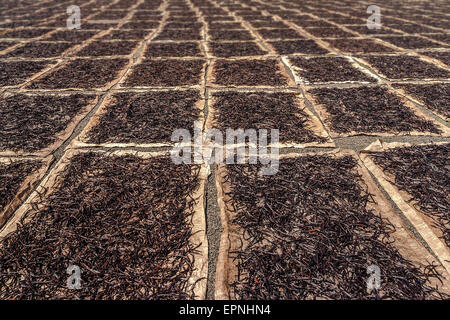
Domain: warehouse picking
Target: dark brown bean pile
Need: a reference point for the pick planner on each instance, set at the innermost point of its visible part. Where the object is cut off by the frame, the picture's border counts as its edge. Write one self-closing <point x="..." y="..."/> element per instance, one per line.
<point x="422" y="171"/>
<point x="126" y="34"/>
<point x="224" y="35"/>
<point x="313" y="23"/>
<point x="298" y="46"/>
<point x="57" y="23"/>
<point x="39" y="50"/>
<point x="443" y="24"/>
<point x="279" y="34"/>
<point x="443" y="37"/>
<point x="179" y="34"/>
<point x="125" y="221"/>
<point x="310" y="234"/>
<point x="329" y="32"/>
<point x="255" y="18"/>
<point x="12" y="176"/>
<point x="412" y="42"/>
<point x="16" y="24"/>
<point x="326" y="69"/>
<point x="6" y="44"/>
<point x="248" y="73"/>
<point x="14" y="73"/>
<point x="181" y="49"/>
<point x="359" y="45"/>
<point x="348" y="21"/>
<point x="216" y="19"/>
<point x="182" y="25"/>
<point x="369" y="109"/>
<point x="109" y="15"/>
<point x="82" y="73"/>
<point x="149" y="117"/>
<point x="26" y="33"/>
<point x="166" y="73"/>
<point x="71" y="36"/>
<point x="182" y="19"/>
<point x="402" y="67"/>
<point x="235" y="49"/>
<point x="243" y="110"/>
<point x="435" y="96"/>
<point x="443" y="56"/>
<point x="147" y="15"/>
<point x="269" y="24"/>
<point x="107" y="48"/>
<point x="412" y="28"/>
<point x="225" y="25"/>
<point x="30" y="122"/>
<point x="141" y="25"/>
<point x="98" y="26"/>
<point x="366" y="31"/>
